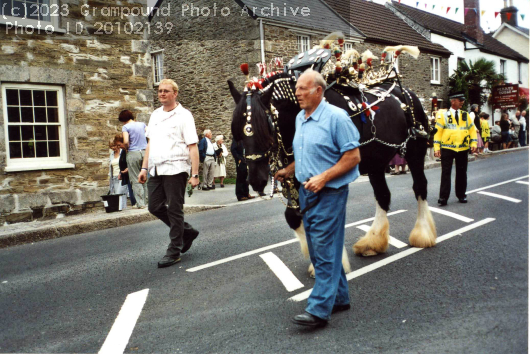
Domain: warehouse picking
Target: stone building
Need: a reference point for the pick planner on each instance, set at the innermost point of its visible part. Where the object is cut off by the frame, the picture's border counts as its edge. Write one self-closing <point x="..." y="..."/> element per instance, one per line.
<point x="205" y="48"/>
<point x="66" y="70"/>
<point x="209" y="41"/>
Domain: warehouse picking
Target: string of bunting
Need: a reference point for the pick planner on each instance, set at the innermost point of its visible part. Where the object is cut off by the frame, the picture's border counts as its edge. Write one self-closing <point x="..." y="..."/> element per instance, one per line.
<point x="466" y="10"/>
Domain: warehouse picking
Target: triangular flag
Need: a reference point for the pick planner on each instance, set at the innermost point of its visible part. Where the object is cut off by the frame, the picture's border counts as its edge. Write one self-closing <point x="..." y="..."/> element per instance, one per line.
<point x="456" y="10"/>
<point x="399" y="1"/>
<point x="442" y="8"/>
<point x="425" y="5"/>
<point x="508" y="15"/>
<point x="433" y="6"/>
<point x="417" y="3"/>
<point x="496" y="14"/>
<point x="522" y="16"/>
<point x="465" y="11"/>
<point x="482" y="12"/>
<point x="448" y="8"/>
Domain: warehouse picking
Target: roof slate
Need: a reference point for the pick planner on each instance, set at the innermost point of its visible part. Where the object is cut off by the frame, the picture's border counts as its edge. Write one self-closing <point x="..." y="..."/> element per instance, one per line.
<point x="321" y="16"/>
<point x="380" y="25"/>
<point x="448" y="28"/>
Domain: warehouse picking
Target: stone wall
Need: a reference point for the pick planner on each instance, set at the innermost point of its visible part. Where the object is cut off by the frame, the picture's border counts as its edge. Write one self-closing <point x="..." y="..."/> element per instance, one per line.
<point x="100" y="74"/>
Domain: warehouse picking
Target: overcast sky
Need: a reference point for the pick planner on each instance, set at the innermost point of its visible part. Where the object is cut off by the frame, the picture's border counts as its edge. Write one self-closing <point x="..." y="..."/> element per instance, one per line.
<point x="488" y="21"/>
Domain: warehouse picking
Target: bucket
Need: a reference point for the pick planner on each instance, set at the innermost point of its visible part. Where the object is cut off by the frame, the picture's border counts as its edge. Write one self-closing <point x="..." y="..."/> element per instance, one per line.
<point x="112" y="202"/>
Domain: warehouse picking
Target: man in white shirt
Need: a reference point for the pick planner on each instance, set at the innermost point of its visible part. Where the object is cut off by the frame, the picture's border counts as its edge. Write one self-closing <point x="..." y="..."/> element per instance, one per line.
<point x="522" y="131"/>
<point x="170" y="154"/>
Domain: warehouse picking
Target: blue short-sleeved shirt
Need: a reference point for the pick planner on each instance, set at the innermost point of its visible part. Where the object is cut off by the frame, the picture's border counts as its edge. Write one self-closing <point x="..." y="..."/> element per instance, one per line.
<point x="136" y="132"/>
<point x="320" y="141"/>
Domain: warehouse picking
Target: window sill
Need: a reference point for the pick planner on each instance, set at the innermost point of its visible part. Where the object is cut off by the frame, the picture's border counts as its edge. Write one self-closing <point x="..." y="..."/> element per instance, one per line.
<point x="42" y="166"/>
<point x="435" y="83"/>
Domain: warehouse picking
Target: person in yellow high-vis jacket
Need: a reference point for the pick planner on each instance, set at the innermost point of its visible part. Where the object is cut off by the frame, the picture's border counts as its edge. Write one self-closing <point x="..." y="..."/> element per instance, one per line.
<point x="455" y="136"/>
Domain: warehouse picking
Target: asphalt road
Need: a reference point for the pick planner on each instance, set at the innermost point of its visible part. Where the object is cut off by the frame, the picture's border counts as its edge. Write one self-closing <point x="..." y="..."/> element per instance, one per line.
<point x="469" y="294"/>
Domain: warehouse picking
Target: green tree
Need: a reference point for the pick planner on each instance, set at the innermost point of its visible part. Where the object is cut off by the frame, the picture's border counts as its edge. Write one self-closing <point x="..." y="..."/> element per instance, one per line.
<point x="475" y="80"/>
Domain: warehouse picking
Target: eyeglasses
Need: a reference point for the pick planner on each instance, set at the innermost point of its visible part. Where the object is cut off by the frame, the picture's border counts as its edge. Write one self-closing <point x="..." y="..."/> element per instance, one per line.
<point x="164" y="91"/>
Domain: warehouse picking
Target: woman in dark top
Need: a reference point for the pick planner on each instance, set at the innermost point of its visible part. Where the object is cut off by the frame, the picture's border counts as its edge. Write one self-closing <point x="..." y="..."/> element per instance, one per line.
<point x="505" y="131"/>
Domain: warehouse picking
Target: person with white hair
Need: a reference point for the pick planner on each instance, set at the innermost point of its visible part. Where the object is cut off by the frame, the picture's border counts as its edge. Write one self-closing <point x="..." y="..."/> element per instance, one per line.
<point x="220" y="166"/>
<point x="207" y="157"/>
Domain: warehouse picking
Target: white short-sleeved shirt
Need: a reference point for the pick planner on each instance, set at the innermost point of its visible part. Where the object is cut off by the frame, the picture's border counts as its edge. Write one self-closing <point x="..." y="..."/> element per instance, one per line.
<point x="169" y="135"/>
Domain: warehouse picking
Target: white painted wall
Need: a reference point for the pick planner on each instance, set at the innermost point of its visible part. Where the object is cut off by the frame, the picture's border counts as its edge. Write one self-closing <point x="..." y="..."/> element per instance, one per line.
<point x="455" y="46"/>
<point x="513" y="40"/>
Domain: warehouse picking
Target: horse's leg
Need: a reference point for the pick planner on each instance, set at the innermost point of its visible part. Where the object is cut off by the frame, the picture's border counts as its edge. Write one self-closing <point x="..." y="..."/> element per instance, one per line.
<point x="424" y="232"/>
<point x="376" y="238"/>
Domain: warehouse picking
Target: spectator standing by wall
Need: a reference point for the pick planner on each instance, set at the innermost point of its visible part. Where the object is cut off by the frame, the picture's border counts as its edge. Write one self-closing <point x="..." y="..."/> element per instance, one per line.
<point x="516" y="124"/>
<point x="207" y="154"/>
<point x="114" y="174"/>
<point x="124" y="170"/>
<point x="485" y="130"/>
<point x="505" y="131"/>
<point x="220" y="166"/>
<point x="135" y="141"/>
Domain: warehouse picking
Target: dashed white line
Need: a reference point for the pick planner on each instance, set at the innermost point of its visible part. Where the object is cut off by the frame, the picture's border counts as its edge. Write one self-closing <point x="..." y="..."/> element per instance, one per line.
<point x="393" y="241"/>
<point x="304" y="295"/>
<point x="124" y="324"/>
<point x="372" y="219"/>
<point x="499" y="196"/>
<point x="450" y="214"/>
<point x="288" y="279"/>
<point x="497" y="184"/>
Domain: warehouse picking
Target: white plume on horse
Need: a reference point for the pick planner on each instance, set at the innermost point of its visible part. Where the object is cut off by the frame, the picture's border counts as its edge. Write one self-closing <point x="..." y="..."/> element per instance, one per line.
<point x="331" y="38"/>
<point x="368" y="55"/>
<point x="412" y="50"/>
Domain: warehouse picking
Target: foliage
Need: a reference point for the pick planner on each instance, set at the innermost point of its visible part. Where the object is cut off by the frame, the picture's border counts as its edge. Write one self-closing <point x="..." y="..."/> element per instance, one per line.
<point x="475" y="80"/>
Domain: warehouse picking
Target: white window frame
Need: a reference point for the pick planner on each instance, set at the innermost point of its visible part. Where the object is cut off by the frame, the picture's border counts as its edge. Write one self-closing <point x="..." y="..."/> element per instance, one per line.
<point x="157" y="71"/>
<point x="347" y="46"/>
<point x="303" y="41"/>
<point x="502" y="67"/>
<point x="436" y="70"/>
<point x="54" y="9"/>
<point x="37" y="163"/>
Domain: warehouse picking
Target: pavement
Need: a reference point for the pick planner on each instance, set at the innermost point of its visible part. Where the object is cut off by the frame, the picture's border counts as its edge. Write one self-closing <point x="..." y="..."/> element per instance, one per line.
<point x="29" y="232"/>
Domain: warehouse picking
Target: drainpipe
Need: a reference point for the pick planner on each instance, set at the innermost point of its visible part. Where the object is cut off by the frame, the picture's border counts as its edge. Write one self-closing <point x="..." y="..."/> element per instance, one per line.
<point x="262" y="40"/>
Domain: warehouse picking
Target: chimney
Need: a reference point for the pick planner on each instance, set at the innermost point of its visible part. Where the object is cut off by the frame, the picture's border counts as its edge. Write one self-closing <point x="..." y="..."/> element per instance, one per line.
<point x="509" y="9"/>
<point x="472" y="21"/>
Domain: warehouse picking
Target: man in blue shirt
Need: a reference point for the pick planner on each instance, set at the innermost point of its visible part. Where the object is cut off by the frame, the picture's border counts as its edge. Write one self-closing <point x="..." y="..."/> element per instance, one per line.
<point x="326" y="151"/>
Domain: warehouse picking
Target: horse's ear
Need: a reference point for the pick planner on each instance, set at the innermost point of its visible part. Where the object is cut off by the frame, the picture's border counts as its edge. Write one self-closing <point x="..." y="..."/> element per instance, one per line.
<point x="234" y="92"/>
<point x="266" y="96"/>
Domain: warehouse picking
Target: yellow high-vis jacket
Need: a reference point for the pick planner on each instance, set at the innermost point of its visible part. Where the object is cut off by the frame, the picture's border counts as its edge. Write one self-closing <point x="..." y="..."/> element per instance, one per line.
<point x="485" y="127"/>
<point x="452" y="135"/>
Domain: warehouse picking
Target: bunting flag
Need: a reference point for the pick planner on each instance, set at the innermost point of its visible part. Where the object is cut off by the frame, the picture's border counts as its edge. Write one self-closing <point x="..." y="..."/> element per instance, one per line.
<point x="496" y="14"/>
<point x="482" y="12"/>
<point x="465" y="11"/>
<point x="508" y="15"/>
<point x="448" y="8"/>
<point x="425" y="5"/>
<point x="456" y="10"/>
<point x="417" y="3"/>
<point x="433" y="6"/>
<point x="522" y="16"/>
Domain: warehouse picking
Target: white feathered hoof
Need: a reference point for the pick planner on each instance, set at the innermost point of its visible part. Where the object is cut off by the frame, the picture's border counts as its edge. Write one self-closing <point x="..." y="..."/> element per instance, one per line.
<point x="373" y="243"/>
<point x="423" y="235"/>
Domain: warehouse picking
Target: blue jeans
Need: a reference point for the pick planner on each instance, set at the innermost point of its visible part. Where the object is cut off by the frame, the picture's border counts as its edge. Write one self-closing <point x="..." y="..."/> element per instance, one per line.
<point x="324" y="226"/>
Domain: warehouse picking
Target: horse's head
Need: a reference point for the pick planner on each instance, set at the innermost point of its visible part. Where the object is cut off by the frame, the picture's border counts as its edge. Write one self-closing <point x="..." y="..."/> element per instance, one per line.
<point x="252" y="124"/>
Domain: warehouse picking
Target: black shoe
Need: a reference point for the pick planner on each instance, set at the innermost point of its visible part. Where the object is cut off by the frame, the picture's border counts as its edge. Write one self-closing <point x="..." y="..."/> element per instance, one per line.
<point x="167" y="261"/>
<point x="462" y="200"/>
<point x="261" y="194"/>
<point x="188" y="240"/>
<point x="442" y="202"/>
<point x="213" y="186"/>
<point x="206" y="188"/>
<point x="339" y="308"/>
<point x="307" y="319"/>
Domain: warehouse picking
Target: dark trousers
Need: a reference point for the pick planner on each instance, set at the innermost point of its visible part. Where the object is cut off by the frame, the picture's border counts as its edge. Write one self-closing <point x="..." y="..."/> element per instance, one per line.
<point x="241" y="181"/>
<point x="460" y="159"/>
<point x="166" y="200"/>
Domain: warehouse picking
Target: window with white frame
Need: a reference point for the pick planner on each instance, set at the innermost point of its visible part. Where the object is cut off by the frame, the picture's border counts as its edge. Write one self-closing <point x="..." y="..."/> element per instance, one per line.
<point x="35" y="13"/>
<point x="34" y="127"/>
<point x="158" y="66"/>
<point x="304" y="43"/>
<point x="502" y="69"/>
<point x="435" y="70"/>
<point x="348" y="46"/>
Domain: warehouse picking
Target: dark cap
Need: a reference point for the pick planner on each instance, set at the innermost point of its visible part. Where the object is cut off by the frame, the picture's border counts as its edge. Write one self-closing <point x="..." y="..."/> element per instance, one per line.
<point x="458" y="96"/>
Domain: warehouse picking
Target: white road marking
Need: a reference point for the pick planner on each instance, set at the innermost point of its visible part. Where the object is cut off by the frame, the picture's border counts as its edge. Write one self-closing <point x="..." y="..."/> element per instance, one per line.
<point x="304" y="295"/>
<point x="124" y="325"/>
<point x="259" y="250"/>
<point x="289" y="280"/>
<point x="241" y="255"/>
<point x="450" y="214"/>
<point x="495" y="195"/>
<point x="523" y="182"/>
<point x="372" y="219"/>
<point x="393" y="241"/>
<point x="497" y="184"/>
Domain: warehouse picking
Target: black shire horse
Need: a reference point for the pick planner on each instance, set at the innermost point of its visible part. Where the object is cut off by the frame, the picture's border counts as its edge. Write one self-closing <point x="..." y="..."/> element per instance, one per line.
<point x="264" y="119"/>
